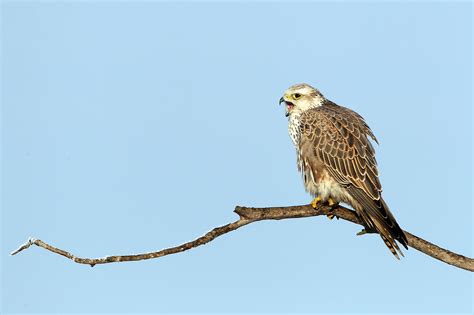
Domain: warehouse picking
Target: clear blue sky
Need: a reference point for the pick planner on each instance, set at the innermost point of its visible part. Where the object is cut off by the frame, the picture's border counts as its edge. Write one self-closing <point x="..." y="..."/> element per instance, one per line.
<point x="132" y="126"/>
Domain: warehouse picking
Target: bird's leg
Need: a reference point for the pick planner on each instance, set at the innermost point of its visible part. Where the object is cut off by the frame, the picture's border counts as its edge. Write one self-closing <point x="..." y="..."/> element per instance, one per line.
<point x="333" y="205"/>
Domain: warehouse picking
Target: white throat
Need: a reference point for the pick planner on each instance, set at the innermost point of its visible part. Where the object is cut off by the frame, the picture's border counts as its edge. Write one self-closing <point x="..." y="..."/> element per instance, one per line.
<point x="294" y="126"/>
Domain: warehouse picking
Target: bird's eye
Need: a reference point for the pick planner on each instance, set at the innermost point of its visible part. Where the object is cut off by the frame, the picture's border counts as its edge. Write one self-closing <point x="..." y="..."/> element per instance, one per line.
<point x="296" y="96"/>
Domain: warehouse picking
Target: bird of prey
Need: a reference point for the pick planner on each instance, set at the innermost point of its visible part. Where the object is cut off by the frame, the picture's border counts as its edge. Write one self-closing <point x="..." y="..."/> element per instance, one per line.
<point x="337" y="160"/>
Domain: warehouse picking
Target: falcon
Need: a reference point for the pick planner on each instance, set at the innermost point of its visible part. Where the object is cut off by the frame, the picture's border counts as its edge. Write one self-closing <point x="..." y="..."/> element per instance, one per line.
<point x="337" y="160"/>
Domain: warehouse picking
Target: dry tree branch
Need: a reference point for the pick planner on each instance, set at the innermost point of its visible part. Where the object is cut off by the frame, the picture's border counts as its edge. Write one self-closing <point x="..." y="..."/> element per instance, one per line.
<point x="249" y="215"/>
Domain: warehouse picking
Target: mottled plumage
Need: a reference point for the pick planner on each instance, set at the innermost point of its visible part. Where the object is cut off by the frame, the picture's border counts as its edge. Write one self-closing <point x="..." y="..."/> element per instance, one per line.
<point x="337" y="159"/>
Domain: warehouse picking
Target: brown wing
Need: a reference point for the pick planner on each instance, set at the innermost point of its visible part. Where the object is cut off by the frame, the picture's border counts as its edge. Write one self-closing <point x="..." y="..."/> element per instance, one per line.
<point x="338" y="137"/>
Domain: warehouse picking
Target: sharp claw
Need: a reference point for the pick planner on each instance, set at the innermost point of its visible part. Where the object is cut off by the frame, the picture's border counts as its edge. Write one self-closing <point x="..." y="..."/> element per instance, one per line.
<point x="361" y="232"/>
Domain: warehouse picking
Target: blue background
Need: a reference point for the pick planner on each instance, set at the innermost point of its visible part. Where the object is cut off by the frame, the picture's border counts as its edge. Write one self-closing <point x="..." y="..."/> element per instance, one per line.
<point x="132" y="126"/>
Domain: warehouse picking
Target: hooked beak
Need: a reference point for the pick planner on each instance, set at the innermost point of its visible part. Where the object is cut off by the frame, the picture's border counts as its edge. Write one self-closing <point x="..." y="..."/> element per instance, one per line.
<point x="289" y="106"/>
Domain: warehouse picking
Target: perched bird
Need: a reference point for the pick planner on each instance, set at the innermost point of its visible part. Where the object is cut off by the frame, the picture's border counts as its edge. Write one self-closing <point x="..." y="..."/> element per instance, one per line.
<point x="337" y="160"/>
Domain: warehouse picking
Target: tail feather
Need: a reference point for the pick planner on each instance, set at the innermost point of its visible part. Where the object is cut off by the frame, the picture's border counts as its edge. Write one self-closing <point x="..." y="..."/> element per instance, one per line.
<point x="377" y="216"/>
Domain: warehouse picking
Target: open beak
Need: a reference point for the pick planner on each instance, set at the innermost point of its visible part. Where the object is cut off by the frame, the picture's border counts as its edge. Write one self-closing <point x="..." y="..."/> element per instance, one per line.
<point x="289" y="106"/>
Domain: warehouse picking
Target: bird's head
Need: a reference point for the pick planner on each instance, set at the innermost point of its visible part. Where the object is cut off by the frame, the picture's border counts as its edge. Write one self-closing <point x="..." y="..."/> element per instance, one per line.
<point x="301" y="97"/>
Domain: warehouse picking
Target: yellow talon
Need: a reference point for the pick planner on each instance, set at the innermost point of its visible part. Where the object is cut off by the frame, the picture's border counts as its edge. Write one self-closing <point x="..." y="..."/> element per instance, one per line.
<point x="331" y="203"/>
<point x="316" y="202"/>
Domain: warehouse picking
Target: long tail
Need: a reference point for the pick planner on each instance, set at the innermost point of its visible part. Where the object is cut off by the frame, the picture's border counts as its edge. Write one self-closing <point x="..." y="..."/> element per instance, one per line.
<point x="377" y="217"/>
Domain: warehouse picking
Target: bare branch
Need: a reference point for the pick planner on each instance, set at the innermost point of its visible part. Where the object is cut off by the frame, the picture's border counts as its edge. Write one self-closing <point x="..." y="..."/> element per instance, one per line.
<point x="249" y="215"/>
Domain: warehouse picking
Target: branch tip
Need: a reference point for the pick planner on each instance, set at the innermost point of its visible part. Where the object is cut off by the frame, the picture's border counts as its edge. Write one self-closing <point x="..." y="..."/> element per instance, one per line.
<point x="24" y="246"/>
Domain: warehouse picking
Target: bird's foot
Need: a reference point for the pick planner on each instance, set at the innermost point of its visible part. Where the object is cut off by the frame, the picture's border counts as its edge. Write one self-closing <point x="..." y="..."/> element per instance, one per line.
<point x="333" y="205"/>
<point x="316" y="203"/>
